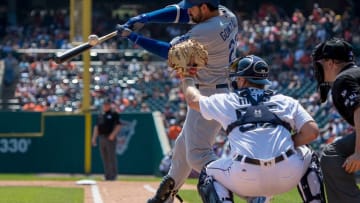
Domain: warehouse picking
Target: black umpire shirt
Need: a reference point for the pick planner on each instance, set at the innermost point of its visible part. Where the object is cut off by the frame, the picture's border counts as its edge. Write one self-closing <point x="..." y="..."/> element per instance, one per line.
<point x="106" y="122"/>
<point x="346" y="92"/>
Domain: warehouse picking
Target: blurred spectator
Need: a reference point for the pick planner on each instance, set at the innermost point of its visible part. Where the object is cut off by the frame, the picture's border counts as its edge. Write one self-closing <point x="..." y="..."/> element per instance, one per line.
<point x="173" y="131"/>
<point x="145" y="108"/>
<point x="11" y="66"/>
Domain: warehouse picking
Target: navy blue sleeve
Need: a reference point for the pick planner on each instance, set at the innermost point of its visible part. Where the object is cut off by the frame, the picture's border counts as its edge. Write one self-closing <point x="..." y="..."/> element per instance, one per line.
<point x="157" y="47"/>
<point x="169" y="14"/>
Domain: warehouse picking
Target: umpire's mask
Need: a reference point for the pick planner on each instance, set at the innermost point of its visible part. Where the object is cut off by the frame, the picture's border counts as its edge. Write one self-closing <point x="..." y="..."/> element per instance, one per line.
<point x="251" y="67"/>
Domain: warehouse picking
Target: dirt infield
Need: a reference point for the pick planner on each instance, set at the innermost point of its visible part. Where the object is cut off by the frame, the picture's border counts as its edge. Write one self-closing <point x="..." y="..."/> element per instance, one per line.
<point x="110" y="191"/>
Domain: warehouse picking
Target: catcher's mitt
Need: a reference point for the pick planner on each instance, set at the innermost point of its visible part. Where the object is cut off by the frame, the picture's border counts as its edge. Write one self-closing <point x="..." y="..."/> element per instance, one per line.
<point x="187" y="57"/>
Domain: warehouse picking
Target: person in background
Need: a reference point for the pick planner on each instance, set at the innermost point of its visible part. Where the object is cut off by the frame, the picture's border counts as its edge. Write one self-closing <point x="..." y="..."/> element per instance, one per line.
<point x="106" y="129"/>
<point x="173" y="131"/>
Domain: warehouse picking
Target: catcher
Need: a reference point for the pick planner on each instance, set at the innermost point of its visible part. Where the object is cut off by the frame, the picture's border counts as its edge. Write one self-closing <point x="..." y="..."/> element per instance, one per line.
<point x="266" y="159"/>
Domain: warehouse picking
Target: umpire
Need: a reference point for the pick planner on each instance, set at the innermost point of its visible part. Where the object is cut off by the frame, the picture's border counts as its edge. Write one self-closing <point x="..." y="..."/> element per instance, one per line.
<point x="106" y="128"/>
<point x="335" y="69"/>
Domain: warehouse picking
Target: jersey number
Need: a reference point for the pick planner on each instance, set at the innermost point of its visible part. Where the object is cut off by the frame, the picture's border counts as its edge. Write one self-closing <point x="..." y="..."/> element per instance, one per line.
<point x="232" y="49"/>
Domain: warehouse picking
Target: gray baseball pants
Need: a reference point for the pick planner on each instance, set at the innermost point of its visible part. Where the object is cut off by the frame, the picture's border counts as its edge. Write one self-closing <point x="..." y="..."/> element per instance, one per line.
<point x="193" y="147"/>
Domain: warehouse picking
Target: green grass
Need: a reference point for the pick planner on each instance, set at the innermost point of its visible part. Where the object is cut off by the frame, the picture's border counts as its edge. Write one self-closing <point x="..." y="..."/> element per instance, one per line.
<point x="190" y="196"/>
<point x="42" y="177"/>
<point x="41" y="195"/>
<point x="76" y="177"/>
<point x="75" y="195"/>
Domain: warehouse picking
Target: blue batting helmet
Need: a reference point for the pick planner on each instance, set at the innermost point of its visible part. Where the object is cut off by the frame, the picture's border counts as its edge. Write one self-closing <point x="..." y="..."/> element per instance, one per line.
<point x="191" y="3"/>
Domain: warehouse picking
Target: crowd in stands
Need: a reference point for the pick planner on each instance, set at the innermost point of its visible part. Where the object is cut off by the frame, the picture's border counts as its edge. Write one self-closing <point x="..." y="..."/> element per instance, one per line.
<point x="139" y="84"/>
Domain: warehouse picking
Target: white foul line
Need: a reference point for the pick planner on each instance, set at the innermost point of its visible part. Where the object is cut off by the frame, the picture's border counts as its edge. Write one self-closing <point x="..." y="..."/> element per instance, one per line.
<point x="96" y="194"/>
<point x="149" y="188"/>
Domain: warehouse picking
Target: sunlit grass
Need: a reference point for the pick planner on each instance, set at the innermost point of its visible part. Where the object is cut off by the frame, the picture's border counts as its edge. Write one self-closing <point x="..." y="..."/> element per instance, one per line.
<point x="41" y="195"/>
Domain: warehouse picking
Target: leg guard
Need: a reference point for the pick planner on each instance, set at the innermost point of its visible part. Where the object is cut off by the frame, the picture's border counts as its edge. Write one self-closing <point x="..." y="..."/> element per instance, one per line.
<point x="208" y="192"/>
<point x="311" y="187"/>
<point x="165" y="192"/>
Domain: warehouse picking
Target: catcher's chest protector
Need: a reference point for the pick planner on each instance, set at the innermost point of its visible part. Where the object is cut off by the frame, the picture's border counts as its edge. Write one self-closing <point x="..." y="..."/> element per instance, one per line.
<point x="257" y="115"/>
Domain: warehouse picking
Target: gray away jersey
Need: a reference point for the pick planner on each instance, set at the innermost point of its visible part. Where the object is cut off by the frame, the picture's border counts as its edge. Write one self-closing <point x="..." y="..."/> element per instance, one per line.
<point x="218" y="35"/>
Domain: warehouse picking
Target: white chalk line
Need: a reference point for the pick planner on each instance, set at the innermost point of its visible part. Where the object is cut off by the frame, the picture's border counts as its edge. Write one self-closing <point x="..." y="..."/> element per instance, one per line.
<point x="96" y="194"/>
<point x="149" y="188"/>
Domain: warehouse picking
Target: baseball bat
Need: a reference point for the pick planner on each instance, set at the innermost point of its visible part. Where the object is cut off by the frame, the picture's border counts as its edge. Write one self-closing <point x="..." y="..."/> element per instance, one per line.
<point x="71" y="53"/>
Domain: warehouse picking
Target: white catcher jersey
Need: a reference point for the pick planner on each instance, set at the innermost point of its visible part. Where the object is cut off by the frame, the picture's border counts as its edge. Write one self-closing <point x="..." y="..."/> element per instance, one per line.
<point x="260" y="143"/>
<point x="218" y="35"/>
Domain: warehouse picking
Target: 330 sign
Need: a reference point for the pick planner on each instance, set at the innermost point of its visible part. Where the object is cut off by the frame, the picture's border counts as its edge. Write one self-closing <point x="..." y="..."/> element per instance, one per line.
<point x="14" y="145"/>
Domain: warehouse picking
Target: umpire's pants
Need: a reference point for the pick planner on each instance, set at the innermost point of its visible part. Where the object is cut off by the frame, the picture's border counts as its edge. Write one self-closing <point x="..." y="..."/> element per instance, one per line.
<point x="340" y="186"/>
<point x="109" y="158"/>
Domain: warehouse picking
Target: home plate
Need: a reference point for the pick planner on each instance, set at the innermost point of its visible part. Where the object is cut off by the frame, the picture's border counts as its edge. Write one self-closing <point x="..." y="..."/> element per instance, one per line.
<point x="86" y="182"/>
<point x="94" y="189"/>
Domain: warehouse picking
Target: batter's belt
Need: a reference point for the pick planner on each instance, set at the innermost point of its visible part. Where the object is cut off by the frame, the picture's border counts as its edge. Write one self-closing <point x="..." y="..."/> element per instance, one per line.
<point x="277" y="159"/>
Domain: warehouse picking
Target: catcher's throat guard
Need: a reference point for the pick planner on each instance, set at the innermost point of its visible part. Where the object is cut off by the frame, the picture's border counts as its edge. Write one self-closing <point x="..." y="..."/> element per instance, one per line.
<point x="323" y="87"/>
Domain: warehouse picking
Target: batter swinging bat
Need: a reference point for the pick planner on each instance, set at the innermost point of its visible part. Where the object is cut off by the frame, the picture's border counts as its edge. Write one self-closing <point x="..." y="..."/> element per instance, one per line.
<point x="93" y="41"/>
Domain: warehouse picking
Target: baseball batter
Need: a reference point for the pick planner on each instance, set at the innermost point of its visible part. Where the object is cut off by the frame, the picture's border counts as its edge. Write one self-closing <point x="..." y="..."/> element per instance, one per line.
<point x="216" y="28"/>
<point x="266" y="159"/>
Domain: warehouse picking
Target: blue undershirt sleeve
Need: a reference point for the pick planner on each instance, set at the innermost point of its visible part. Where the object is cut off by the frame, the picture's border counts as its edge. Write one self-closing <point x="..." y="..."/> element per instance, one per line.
<point x="157" y="47"/>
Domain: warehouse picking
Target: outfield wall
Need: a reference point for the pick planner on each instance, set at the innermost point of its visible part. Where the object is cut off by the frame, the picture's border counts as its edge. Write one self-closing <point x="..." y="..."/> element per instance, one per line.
<point x="33" y="142"/>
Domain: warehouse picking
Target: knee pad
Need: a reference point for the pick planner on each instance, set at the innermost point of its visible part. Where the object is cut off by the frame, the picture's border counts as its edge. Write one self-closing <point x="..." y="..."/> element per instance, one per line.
<point x="311" y="186"/>
<point x="207" y="189"/>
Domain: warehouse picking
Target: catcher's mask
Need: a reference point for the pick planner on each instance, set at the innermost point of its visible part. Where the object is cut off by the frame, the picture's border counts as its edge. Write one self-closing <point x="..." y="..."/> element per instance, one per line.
<point x="251" y="67"/>
<point x="336" y="49"/>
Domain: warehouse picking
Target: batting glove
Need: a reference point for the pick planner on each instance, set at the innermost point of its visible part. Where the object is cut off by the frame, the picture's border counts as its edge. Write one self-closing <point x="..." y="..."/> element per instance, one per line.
<point x="123" y="31"/>
<point x="137" y="22"/>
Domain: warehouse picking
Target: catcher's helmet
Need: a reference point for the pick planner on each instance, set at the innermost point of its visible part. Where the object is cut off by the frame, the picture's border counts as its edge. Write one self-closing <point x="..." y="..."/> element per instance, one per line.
<point x="251" y="67"/>
<point x="191" y="3"/>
